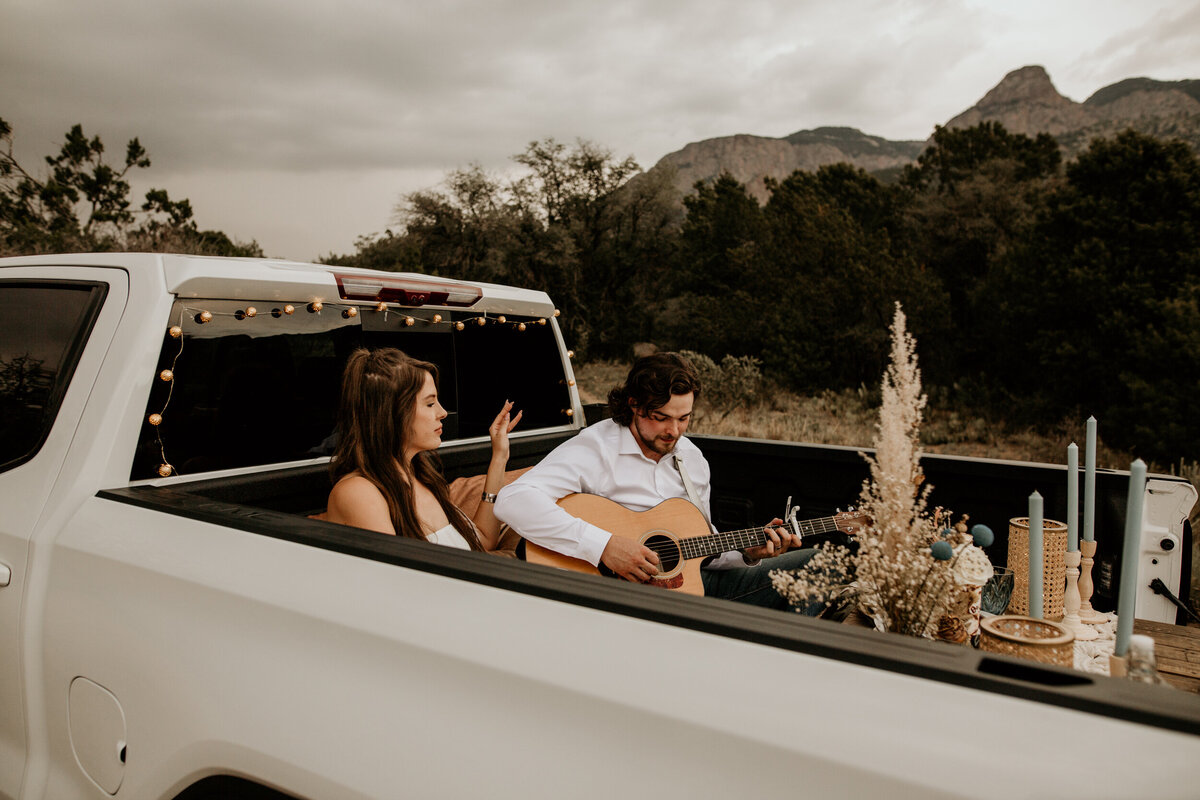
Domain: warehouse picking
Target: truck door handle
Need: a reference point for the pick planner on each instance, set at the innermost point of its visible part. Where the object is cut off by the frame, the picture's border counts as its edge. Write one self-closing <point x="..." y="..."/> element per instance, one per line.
<point x="5" y="575"/>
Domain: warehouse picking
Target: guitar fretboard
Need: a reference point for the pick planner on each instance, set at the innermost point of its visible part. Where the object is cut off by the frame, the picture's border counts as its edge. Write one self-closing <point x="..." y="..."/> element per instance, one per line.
<point x="701" y="546"/>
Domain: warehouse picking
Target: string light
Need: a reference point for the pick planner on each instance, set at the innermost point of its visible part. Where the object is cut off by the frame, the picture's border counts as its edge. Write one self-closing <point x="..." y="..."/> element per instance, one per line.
<point x="168" y="375"/>
<point x="348" y="311"/>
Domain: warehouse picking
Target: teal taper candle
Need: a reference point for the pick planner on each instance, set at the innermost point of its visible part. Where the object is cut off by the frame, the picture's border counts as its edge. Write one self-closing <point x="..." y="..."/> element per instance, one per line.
<point x="1072" y="497"/>
<point x="1089" y="482"/>
<point x="1036" y="554"/>
<point x="1127" y="599"/>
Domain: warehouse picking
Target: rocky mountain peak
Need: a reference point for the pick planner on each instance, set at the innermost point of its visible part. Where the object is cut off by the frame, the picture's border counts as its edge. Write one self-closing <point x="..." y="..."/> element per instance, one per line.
<point x="1025" y="85"/>
<point x="1026" y="102"/>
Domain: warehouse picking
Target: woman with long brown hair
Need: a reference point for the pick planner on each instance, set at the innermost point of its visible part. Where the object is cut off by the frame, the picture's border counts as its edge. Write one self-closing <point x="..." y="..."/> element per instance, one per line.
<point x="386" y="477"/>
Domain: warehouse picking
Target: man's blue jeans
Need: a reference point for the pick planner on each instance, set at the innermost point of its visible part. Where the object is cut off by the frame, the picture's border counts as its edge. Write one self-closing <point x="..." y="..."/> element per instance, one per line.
<point x="753" y="584"/>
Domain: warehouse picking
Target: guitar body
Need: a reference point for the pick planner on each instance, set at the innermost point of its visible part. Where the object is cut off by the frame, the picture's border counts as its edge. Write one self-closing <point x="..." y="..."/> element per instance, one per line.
<point x="661" y="528"/>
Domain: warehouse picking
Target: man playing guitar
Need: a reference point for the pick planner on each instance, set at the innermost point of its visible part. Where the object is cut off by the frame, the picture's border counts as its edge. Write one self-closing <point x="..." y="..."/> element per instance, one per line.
<point x="640" y="459"/>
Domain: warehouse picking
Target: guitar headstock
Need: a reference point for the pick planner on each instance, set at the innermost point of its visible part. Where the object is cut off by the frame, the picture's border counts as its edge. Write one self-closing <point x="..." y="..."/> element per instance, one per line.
<point x="851" y="522"/>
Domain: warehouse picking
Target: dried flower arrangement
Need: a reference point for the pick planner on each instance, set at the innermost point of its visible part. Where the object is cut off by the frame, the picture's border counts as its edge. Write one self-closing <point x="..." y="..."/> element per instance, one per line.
<point x="914" y="572"/>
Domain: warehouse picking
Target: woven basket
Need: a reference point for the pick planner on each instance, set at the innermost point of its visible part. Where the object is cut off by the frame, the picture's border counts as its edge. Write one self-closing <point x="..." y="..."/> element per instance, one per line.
<point x="1054" y="573"/>
<point x="1028" y="638"/>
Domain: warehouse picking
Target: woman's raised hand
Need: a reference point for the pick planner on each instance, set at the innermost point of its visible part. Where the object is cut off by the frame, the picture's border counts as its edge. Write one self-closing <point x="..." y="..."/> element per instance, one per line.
<point x="504" y="422"/>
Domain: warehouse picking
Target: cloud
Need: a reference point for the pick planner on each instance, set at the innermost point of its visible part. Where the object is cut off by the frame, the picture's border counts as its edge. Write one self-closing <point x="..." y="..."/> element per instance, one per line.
<point x="301" y="94"/>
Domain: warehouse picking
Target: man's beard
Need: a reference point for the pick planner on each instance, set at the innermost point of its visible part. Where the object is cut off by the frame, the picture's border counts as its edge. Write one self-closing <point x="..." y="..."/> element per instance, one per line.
<point x="657" y="445"/>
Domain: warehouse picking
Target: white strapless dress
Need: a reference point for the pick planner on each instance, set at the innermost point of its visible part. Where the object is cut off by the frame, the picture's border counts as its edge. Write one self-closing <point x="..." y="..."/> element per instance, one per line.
<point x="450" y="537"/>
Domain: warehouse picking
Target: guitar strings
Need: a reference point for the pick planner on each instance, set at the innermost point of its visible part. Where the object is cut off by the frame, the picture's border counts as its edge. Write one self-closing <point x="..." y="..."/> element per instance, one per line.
<point x="746" y="536"/>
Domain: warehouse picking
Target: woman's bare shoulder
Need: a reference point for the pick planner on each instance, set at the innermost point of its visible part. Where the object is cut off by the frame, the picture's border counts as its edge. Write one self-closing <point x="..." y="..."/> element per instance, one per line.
<point x="354" y="500"/>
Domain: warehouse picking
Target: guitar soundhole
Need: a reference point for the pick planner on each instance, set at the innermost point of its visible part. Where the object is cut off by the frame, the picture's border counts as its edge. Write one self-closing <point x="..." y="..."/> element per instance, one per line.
<point x="667" y="550"/>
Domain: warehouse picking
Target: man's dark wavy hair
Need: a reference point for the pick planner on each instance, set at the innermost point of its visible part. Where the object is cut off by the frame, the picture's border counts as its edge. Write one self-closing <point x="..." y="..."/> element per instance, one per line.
<point x="650" y="384"/>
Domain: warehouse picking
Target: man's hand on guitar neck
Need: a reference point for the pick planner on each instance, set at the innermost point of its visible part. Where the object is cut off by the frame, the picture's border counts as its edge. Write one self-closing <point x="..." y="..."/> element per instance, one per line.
<point x="631" y="560"/>
<point x="779" y="541"/>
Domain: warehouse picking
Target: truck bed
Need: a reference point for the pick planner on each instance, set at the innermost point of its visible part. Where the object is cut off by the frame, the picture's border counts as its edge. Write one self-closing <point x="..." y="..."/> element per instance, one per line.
<point x="754" y="479"/>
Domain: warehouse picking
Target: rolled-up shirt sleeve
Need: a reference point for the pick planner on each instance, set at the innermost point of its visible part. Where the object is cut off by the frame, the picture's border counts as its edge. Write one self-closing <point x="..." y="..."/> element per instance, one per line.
<point x="529" y="504"/>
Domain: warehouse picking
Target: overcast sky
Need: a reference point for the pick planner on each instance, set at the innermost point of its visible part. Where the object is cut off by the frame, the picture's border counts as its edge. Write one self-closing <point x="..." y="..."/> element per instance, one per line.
<point x="301" y="124"/>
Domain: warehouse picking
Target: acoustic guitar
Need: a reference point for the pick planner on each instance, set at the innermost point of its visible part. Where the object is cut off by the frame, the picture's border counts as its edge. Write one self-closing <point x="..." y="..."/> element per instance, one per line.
<point x="678" y="534"/>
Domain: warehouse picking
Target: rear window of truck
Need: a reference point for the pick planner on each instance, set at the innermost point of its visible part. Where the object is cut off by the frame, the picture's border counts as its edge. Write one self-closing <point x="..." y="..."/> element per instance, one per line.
<point x="246" y="384"/>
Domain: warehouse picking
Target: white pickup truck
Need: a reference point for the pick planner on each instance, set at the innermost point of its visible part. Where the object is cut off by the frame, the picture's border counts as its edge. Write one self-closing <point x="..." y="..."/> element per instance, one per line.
<point x="174" y="624"/>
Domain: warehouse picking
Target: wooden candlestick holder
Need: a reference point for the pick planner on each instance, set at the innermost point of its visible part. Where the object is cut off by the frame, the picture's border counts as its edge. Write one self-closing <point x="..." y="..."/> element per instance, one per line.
<point x="1071" y="600"/>
<point x="1086" y="586"/>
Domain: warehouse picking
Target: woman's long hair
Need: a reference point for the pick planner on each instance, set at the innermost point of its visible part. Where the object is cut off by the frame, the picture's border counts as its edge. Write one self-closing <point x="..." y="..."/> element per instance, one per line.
<point x="379" y="397"/>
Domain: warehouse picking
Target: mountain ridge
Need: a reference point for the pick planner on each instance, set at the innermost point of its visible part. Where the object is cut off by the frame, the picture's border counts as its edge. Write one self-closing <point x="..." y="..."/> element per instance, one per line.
<point x="1025" y="101"/>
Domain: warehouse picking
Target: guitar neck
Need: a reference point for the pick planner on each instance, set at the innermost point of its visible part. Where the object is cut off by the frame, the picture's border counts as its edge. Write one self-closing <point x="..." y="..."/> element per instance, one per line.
<point x="715" y="543"/>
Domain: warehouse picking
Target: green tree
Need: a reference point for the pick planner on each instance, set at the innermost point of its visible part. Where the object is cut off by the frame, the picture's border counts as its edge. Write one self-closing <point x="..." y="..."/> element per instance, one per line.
<point x="1103" y="305"/>
<point x="973" y="199"/>
<point x="82" y="203"/>
<point x="718" y="269"/>
<point x="836" y="276"/>
<point x="615" y="227"/>
<point x="957" y="154"/>
<point x="574" y="226"/>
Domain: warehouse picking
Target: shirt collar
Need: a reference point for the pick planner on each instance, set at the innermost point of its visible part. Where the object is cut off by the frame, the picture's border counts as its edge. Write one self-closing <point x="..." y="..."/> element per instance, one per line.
<point x="627" y="445"/>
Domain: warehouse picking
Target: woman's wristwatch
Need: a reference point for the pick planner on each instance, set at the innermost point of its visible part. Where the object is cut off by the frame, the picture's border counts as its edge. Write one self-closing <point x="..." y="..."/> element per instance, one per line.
<point x="489" y="497"/>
